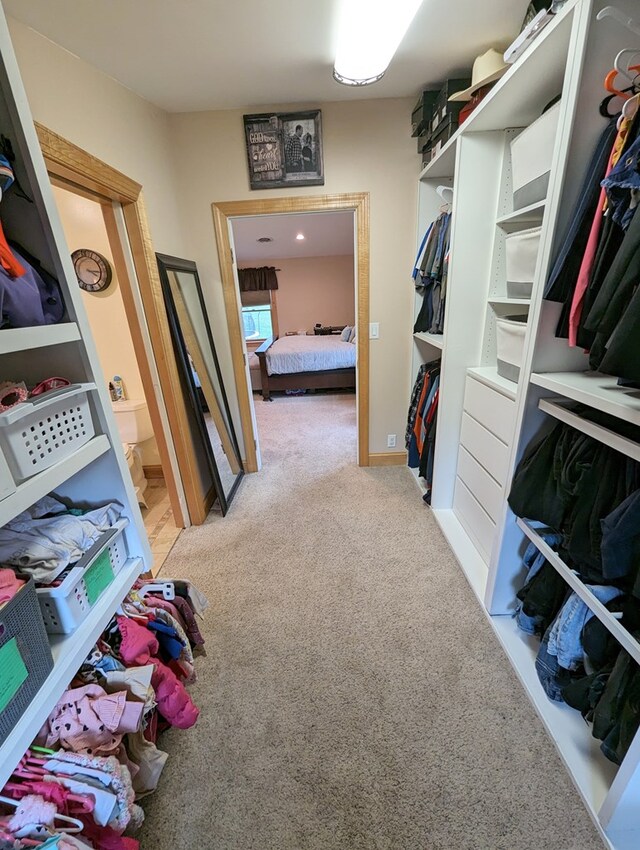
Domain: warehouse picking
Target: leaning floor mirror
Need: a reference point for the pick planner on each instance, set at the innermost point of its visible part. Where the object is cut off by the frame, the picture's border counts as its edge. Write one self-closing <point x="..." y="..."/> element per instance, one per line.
<point x="208" y="409"/>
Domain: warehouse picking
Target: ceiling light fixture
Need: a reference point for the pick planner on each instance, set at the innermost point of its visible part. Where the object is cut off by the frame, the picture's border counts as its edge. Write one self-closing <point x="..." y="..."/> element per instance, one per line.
<point x="370" y="32"/>
<point x="264" y="239"/>
<point x="300" y="236"/>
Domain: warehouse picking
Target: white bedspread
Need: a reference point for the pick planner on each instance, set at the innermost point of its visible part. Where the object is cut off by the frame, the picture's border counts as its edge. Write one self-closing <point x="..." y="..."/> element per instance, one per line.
<point x="291" y="354"/>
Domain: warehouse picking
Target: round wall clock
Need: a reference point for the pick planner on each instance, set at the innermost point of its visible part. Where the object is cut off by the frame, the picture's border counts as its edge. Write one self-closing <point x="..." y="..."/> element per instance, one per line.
<point x="92" y="270"/>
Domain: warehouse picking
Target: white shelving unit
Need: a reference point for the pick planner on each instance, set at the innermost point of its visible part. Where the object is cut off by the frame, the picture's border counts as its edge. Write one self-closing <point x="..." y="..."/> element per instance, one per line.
<point x="95" y="473"/>
<point x="485" y="421"/>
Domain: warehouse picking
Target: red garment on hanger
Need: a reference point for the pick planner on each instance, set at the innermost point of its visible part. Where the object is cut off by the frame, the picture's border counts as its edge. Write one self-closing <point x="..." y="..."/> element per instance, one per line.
<point x="7" y="260"/>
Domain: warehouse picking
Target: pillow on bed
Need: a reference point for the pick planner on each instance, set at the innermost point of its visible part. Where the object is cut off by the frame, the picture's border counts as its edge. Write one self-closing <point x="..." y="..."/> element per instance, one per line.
<point x="352" y="335"/>
<point x="346" y="333"/>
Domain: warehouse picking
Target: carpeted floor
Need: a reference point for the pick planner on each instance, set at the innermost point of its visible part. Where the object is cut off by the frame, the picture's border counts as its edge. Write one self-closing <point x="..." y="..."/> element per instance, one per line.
<point x="353" y="697"/>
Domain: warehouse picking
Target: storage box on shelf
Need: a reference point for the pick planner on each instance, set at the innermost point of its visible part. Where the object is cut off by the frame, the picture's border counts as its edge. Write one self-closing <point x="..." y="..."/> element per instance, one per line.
<point x="25" y="656"/>
<point x="90" y="468"/>
<point x="67" y="604"/>
<point x="46" y="429"/>
<point x="423" y="112"/>
<point x="471" y="484"/>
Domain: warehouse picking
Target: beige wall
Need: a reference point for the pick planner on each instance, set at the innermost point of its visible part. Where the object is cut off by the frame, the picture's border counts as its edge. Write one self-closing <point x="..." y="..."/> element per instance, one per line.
<point x="92" y="110"/>
<point x="367" y="148"/>
<point x="313" y="289"/>
<point x="187" y="161"/>
<point x="84" y="227"/>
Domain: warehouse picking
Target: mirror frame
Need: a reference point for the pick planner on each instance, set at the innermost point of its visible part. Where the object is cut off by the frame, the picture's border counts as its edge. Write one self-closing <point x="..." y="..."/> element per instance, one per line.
<point x="166" y="264"/>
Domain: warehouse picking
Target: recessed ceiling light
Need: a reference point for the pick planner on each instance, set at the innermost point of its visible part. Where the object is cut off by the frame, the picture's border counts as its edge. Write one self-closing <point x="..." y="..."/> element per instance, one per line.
<point x="264" y="239"/>
<point x="300" y="236"/>
<point x="369" y="35"/>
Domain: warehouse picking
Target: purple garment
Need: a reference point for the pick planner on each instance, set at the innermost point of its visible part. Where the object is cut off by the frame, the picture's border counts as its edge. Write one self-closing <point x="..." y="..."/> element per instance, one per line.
<point x="32" y="299"/>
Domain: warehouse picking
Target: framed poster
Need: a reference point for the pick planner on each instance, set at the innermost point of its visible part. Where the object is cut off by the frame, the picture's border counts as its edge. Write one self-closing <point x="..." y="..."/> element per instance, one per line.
<point x="284" y="149"/>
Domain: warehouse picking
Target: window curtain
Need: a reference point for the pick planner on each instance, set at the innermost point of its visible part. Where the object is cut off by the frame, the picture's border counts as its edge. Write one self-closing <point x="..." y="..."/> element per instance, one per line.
<point x="257" y="280"/>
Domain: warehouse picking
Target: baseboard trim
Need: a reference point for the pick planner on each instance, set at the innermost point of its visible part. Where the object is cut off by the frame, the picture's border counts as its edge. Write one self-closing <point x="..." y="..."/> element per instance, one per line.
<point x="388" y="459"/>
<point x="153" y="471"/>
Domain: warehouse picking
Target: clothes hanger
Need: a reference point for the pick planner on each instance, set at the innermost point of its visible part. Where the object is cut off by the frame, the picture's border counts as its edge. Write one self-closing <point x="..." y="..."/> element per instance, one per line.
<point x="620" y="17"/>
<point x="610" y="79"/>
<point x="626" y="67"/>
<point x="167" y="588"/>
<point x="76" y="827"/>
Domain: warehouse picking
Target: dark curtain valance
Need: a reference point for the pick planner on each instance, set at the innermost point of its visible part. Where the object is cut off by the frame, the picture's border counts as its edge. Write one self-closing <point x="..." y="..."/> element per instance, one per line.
<point x="252" y="280"/>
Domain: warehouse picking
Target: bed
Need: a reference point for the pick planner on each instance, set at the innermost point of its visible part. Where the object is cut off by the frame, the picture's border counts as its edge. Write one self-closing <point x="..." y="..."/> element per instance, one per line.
<point x="306" y="362"/>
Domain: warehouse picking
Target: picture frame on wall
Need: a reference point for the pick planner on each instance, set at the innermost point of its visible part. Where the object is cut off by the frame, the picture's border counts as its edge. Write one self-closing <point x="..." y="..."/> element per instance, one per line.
<point x="284" y="149"/>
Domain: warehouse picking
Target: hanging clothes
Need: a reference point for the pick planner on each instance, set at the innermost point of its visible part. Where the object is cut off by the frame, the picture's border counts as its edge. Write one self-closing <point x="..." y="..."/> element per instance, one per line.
<point x="420" y="435"/>
<point x="430" y="275"/>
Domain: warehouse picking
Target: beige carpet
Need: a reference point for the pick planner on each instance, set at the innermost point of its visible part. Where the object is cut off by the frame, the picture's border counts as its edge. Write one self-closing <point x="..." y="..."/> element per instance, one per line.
<point x="354" y="696"/>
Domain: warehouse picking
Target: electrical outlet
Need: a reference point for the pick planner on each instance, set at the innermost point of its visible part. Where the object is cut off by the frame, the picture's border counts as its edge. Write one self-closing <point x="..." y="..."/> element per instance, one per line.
<point x="374" y="330"/>
<point x="391" y="441"/>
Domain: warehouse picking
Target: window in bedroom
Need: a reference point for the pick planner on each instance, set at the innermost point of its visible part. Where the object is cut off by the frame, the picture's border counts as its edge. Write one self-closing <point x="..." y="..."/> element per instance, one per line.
<point x="259" y="316"/>
<point x="257" y="321"/>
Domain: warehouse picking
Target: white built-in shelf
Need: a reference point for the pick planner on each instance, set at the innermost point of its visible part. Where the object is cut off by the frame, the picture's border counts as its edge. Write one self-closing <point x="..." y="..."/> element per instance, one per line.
<point x="442" y="165"/>
<point x="576" y="584"/>
<point x="24" y="339"/>
<point x="69" y="651"/>
<point x="437" y="340"/>
<point x="526" y="217"/>
<point x="44" y="482"/>
<point x="488" y="375"/>
<point x="471" y="561"/>
<point x="503" y="300"/>
<point x="595" y="390"/>
<point x="559" y="410"/>
<point x="539" y="73"/>
<point x="592" y="773"/>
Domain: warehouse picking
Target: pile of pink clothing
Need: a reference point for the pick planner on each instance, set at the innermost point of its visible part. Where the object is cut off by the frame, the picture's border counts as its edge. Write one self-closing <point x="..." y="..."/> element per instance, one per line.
<point x="97" y="752"/>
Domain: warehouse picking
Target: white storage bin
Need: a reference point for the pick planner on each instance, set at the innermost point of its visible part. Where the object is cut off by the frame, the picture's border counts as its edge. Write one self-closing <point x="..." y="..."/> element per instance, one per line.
<point x="510" y="334"/>
<point x="46" y="429"/>
<point x="521" y="250"/>
<point x="531" y="156"/>
<point x="64" y="607"/>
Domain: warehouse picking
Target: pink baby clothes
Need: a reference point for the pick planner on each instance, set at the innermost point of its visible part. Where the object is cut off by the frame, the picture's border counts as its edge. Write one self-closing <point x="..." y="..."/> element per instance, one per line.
<point x="10" y="584"/>
<point x="33" y="810"/>
<point x="90" y="720"/>
<point x="139" y="646"/>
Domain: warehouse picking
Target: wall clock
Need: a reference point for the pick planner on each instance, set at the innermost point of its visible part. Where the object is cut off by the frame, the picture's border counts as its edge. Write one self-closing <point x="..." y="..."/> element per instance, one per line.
<point x="92" y="270"/>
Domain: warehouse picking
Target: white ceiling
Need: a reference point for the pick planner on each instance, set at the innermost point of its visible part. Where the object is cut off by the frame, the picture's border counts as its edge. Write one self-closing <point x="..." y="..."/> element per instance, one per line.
<point x="326" y="235"/>
<point x="190" y="55"/>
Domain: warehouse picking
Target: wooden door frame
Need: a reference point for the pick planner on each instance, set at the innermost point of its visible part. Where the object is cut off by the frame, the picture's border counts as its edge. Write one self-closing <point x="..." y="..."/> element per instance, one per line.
<point x="73" y="168"/>
<point x="358" y="202"/>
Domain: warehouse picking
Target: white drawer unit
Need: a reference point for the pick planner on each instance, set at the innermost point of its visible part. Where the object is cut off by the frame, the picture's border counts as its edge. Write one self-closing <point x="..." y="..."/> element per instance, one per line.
<point x="487" y="491"/>
<point x="489" y="451"/>
<point x="490" y="408"/>
<point x="475" y="520"/>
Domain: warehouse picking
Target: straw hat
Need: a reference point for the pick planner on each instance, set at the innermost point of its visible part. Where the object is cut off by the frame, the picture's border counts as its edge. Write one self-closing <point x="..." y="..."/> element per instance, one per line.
<point x="487" y="68"/>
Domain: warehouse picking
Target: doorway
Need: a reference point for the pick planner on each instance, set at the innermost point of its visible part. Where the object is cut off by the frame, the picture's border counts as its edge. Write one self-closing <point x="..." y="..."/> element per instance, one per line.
<point x="125" y="216"/>
<point x="225" y="214"/>
<point x="100" y="274"/>
<point x="304" y="320"/>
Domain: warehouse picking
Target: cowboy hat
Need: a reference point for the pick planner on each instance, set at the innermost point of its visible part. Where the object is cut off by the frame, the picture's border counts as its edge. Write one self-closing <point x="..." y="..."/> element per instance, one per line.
<point x="487" y="68"/>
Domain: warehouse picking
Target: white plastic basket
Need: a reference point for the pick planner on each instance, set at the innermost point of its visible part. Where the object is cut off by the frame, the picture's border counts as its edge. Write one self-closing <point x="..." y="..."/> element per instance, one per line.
<point x="531" y="159"/>
<point x="64" y="607"/>
<point x="510" y="336"/>
<point x="46" y="429"/>
<point x="521" y="250"/>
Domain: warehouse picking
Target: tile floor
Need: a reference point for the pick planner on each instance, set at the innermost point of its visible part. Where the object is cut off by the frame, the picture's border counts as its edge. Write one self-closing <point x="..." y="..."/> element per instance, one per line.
<point x="159" y="522"/>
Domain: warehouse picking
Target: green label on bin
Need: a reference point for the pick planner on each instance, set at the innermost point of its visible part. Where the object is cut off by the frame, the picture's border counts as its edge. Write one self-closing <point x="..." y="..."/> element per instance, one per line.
<point x="98" y="576"/>
<point x="13" y="673"/>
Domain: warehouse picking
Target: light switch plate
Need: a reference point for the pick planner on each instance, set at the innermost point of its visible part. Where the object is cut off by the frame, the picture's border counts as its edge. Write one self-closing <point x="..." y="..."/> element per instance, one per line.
<point x="374" y="330"/>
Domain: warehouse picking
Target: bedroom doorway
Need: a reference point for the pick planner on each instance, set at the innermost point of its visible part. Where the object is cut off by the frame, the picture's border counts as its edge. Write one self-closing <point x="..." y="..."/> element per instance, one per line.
<point x="348" y="215"/>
